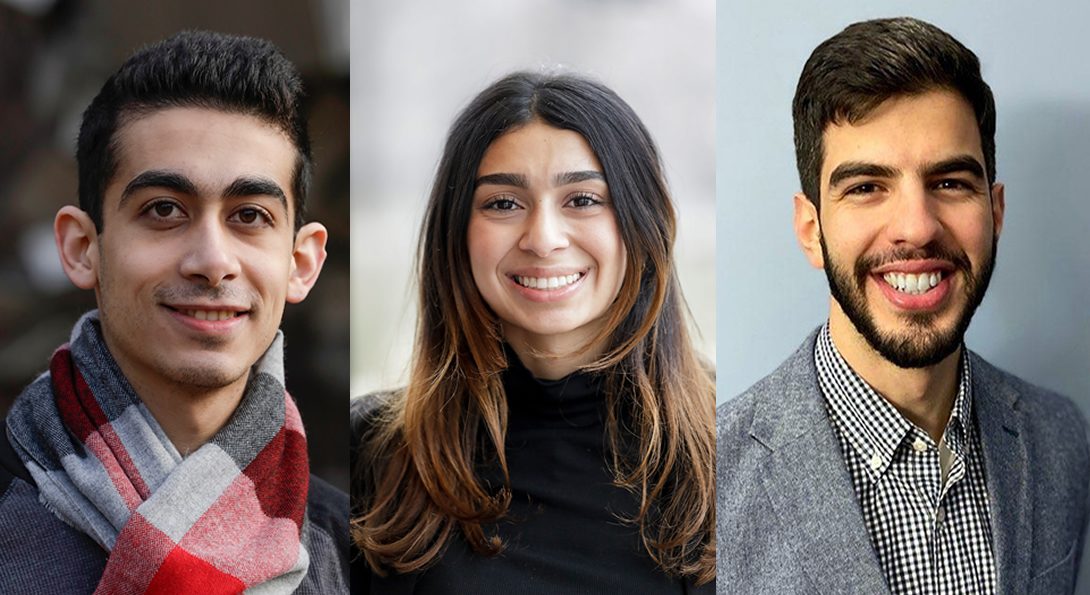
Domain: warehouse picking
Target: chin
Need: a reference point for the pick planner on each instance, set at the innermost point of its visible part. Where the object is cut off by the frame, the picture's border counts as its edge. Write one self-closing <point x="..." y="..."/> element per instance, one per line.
<point x="209" y="377"/>
<point x="917" y="342"/>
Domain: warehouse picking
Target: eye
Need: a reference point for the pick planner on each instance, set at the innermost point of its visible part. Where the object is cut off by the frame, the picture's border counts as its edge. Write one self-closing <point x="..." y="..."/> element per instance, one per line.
<point x="862" y="189"/>
<point x="584" y="200"/>
<point x="500" y="203"/>
<point x="163" y="210"/>
<point x="955" y="185"/>
<point x="250" y="215"/>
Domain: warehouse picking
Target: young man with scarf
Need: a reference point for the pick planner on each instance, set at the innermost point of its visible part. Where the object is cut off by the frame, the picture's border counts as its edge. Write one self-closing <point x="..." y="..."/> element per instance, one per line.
<point x="161" y="451"/>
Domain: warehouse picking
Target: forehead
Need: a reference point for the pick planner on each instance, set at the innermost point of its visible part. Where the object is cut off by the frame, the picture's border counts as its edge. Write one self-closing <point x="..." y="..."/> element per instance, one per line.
<point x="211" y="147"/>
<point x="905" y="132"/>
<point x="538" y="148"/>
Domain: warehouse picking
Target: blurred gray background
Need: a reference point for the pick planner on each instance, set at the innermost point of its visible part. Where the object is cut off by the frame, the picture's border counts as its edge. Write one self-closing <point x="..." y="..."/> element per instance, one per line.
<point x="416" y="63"/>
<point x="54" y="57"/>
<point x="1034" y="321"/>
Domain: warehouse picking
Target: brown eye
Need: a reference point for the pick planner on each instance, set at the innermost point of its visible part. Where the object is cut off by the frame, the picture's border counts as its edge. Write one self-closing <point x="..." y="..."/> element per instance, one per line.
<point x="582" y="201"/>
<point x="252" y="216"/>
<point x="164" y="209"/>
<point x="863" y="189"/>
<point x="502" y="204"/>
<point x="248" y="215"/>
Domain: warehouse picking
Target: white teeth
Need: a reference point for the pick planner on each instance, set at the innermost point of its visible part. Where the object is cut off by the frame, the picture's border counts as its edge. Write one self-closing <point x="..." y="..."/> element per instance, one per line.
<point x="912" y="283"/>
<point x="548" y="282"/>
<point x="213" y="315"/>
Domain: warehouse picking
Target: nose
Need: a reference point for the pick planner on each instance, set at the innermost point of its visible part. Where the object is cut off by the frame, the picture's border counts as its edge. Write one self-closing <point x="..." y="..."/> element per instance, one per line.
<point x="915" y="220"/>
<point x="544" y="232"/>
<point x="209" y="258"/>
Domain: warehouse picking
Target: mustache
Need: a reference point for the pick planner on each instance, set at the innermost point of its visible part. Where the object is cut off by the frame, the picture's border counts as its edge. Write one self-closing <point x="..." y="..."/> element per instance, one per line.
<point x="866" y="263"/>
<point x="188" y="292"/>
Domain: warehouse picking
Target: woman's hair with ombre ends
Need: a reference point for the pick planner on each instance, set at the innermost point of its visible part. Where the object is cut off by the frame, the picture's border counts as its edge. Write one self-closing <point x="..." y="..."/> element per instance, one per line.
<point x="421" y="467"/>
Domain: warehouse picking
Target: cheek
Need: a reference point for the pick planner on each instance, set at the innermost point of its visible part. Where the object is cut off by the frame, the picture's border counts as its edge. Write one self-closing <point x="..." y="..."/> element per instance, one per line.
<point x="608" y="249"/>
<point x="267" y="267"/>
<point x="125" y="267"/>
<point x="486" y="246"/>
<point x="847" y="240"/>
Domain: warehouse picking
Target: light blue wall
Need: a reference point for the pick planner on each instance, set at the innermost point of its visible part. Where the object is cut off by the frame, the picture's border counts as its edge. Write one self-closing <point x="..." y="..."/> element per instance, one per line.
<point x="1034" y="321"/>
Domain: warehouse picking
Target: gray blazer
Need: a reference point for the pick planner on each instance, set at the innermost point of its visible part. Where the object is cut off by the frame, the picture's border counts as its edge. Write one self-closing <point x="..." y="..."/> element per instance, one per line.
<point x="788" y="520"/>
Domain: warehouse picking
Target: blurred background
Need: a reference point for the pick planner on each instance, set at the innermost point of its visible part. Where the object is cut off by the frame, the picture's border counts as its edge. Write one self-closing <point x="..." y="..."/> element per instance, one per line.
<point x="416" y="63"/>
<point x="54" y="57"/>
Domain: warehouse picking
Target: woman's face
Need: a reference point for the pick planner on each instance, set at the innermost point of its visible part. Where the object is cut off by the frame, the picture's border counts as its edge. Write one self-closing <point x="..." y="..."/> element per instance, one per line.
<point x="543" y="241"/>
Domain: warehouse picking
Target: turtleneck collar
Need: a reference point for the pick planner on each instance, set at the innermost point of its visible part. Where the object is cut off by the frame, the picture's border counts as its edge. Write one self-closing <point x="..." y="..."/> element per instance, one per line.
<point x="574" y="401"/>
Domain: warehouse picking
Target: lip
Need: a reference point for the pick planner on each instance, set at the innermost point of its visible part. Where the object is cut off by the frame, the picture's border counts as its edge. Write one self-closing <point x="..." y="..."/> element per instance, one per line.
<point x="215" y="327"/>
<point x="915" y="266"/>
<point x="930" y="300"/>
<point x="546" y="295"/>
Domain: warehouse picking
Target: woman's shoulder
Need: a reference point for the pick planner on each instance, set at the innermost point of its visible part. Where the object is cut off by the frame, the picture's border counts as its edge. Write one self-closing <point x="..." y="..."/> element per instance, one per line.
<point x="368" y="412"/>
<point x="367" y="415"/>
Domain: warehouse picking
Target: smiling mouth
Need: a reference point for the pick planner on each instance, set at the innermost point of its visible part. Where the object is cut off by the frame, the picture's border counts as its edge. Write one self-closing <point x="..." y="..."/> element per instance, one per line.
<point x="548" y="283"/>
<point x="913" y="283"/>
<point x="209" y="315"/>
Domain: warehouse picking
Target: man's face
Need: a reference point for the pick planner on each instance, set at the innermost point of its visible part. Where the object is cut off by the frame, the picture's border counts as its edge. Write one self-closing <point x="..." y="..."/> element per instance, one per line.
<point x="195" y="256"/>
<point x="908" y="225"/>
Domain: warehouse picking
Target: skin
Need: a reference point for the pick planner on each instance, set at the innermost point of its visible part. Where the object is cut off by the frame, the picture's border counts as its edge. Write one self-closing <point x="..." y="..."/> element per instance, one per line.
<point x="542" y="209"/>
<point x="198" y="217"/>
<point x="903" y="210"/>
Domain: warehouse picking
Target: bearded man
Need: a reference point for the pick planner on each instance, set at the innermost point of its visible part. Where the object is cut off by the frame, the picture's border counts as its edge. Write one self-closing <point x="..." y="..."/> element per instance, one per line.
<point x="884" y="456"/>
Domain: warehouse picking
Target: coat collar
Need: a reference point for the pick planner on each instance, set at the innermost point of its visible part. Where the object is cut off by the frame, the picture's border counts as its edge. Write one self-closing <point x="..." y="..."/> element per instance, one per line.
<point x="1003" y="437"/>
<point x="810" y="489"/>
<point x="808" y="483"/>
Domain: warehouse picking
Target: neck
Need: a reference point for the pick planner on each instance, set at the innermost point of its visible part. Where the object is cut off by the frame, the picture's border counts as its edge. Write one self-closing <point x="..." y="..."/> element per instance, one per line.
<point x="190" y="416"/>
<point x="551" y="357"/>
<point x="925" y="396"/>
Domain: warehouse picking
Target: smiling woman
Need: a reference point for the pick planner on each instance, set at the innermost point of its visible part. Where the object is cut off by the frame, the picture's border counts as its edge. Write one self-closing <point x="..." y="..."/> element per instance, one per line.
<point x="556" y="407"/>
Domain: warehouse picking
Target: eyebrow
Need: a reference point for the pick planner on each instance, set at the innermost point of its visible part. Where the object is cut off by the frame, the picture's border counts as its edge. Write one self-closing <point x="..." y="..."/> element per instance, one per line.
<point x="256" y="186"/>
<point x="517" y="180"/>
<point x="158" y="178"/>
<point x="574" y="177"/>
<point x="852" y="169"/>
<point x="171" y="180"/>
<point x="561" y="179"/>
<point x="961" y="163"/>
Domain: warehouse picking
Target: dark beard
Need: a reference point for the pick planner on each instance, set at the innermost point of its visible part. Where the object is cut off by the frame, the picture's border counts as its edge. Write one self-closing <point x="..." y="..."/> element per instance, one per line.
<point x="920" y="345"/>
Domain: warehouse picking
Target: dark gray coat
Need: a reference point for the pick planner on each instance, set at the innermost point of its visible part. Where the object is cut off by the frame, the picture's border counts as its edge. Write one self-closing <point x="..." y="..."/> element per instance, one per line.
<point x="788" y="520"/>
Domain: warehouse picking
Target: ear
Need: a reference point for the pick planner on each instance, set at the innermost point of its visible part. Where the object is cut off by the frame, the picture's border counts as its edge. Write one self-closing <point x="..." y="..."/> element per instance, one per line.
<point x="808" y="230"/>
<point x="999" y="206"/>
<point x="77" y="244"/>
<point x="306" y="260"/>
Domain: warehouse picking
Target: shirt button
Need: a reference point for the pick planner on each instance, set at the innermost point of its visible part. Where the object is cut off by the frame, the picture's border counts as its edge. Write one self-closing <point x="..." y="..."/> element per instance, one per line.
<point x="876" y="461"/>
<point x="919" y="445"/>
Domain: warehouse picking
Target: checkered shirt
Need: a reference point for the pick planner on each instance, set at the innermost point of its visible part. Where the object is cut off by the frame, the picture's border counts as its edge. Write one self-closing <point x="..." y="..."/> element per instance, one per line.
<point x="929" y="537"/>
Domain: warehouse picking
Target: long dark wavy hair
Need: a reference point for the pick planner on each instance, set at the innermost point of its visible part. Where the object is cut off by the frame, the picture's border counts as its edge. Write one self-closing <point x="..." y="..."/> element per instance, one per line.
<point x="422" y="462"/>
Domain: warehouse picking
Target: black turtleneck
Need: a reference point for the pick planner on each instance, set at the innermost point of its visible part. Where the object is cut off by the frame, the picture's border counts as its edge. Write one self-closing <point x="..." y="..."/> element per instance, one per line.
<point x="563" y="532"/>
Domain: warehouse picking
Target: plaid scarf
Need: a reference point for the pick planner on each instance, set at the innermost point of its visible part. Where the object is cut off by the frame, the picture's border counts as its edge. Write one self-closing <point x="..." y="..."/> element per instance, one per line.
<point x="228" y="517"/>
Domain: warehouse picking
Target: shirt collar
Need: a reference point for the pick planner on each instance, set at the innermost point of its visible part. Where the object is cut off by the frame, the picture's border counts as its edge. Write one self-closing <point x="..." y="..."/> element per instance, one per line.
<point x="870" y="423"/>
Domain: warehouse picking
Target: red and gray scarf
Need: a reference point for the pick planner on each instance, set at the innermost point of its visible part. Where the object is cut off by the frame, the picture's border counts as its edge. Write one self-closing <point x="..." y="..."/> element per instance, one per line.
<point x="228" y="517"/>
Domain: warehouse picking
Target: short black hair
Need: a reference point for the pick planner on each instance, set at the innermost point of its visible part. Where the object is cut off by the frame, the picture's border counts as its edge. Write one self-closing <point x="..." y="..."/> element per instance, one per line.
<point x="193" y="69"/>
<point x="853" y="72"/>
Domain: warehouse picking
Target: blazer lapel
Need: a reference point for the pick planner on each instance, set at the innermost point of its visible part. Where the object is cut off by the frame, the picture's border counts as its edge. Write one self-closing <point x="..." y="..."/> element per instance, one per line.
<point x="1007" y="467"/>
<point x="808" y="484"/>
